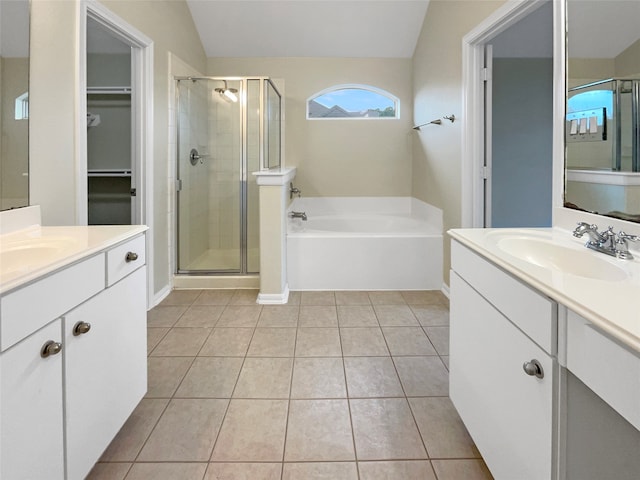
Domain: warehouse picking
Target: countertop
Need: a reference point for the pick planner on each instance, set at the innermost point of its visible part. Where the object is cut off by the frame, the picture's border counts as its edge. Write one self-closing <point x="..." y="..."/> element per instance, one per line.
<point x="30" y="253"/>
<point x="611" y="305"/>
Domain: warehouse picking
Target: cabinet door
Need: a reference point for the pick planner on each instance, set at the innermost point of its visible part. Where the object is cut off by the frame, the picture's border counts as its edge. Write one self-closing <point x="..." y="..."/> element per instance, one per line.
<point x="105" y="369"/>
<point x="31" y="435"/>
<point x="507" y="412"/>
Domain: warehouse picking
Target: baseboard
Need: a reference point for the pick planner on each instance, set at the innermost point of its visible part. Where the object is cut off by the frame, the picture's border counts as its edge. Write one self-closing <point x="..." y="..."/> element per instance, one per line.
<point x="274" y="298"/>
<point x="161" y="295"/>
<point x="445" y="290"/>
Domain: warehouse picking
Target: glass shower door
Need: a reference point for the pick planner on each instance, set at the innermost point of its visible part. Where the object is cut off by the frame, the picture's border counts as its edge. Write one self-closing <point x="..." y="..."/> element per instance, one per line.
<point x="210" y="176"/>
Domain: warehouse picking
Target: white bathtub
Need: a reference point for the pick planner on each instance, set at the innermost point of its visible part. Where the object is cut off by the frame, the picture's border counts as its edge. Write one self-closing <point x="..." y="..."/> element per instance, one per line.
<point x="364" y="243"/>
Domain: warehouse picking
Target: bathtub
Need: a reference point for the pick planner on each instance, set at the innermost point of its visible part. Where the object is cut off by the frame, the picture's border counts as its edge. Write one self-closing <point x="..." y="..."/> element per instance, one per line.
<point x="364" y="243"/>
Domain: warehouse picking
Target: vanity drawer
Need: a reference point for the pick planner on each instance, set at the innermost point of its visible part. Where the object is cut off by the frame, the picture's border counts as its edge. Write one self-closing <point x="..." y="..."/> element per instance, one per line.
<point x="125" y="258"/>
<point x="611" y="370"/>
<point x="26" y="310"/>
<point x="533" y="313"/>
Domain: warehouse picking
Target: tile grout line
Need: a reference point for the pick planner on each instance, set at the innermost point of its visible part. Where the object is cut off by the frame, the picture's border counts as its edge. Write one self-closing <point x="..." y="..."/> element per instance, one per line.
<point x="286" y="425"/>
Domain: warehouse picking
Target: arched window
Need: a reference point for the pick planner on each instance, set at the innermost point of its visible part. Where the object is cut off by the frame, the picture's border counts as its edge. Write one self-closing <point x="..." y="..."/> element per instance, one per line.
<point x="352" y="102"/>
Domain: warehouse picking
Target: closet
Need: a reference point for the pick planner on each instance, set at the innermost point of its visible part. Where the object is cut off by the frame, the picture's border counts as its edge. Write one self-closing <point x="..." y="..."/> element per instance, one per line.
<point x="110" y="167"/>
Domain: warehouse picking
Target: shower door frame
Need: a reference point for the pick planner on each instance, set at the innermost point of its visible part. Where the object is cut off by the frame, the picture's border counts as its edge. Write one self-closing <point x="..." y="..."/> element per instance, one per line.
<point x="244" y="170"/>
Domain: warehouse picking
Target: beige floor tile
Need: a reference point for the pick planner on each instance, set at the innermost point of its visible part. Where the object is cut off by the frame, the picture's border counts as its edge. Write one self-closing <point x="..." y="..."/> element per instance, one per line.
<point x="320" y="471"/>
<point x="279" y="316"/>
<point x="154" y="335"/>
<point x="167" y="471"/>
<point x="442" y="430"/>
<point x="253" y="431"/>
<point x="109" y="471"/>
<point x="244" y="297"/>
<point x="318" y="298"/>
<point x="181" y="342"/>
<point x="181" y="297"/>
<point x="407" y="341"/>
<point x="165" y="316"/>
<point x="395" y="316"/>
<point x="363" y="341"/>
<point x="294" y="298"/>
<point x="273" y="342"/>
<point x="386" y="298"/>
<point x="318" y="378"/>
<point x="227" y="342"/>
<point x="211" y="377"/>
<point x="264" y="378"/>
<point x="131" y="437"/>
<point x="369" y="377"/>
<point x="186" y="431"/>
<point x="431" y="315"/>
<point x="439" y="336"/>
<point x="445" y="360"/>
<point x="423" y="376"/>
<point x="239" y="316"/>
<point x="318" y="342"/>
<point x="458" y="469"/>
<point x="214" y="297"/>
<point x="403" y="470"/>
<point x="423" y="297"/>
<point x="352" y="298"/>
<point x="164" y="374"/>
<point x="319" y="430"/>
<point x="384" y="430"/>
<point x="357" y="316"/>
<point x="200" y="316"/>
<point x="243" y="471"/>
<point x="318" y="316"/>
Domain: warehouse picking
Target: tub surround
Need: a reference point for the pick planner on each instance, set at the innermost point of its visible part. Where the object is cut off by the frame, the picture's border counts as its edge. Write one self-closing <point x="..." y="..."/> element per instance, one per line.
<point x="364" y="243"/>
<point x="72" y="342"/>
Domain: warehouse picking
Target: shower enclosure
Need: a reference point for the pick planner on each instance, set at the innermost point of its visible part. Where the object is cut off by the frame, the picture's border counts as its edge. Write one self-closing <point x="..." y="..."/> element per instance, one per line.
<point x="228" y="127"/>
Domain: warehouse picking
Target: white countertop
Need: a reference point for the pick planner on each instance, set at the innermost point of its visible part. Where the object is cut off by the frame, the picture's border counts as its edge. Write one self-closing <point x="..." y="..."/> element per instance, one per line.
<point x="33" y="252"/>
<point x="612" y="306"/>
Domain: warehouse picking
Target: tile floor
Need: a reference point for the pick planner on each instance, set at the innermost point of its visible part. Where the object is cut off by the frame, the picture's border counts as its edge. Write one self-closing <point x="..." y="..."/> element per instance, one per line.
<point x="333" y="385"/>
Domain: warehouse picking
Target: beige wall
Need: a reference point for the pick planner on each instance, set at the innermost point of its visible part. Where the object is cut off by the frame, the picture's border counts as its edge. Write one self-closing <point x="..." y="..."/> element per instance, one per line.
<point x="54" y="73"/>
<point x="437" y="87"/>
<point x="339" y="157"/>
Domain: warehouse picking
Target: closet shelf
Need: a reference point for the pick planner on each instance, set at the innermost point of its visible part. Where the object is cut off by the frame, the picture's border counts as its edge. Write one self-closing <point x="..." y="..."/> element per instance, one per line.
<point x="108" y="90"/>
<point x="109" y="172"/>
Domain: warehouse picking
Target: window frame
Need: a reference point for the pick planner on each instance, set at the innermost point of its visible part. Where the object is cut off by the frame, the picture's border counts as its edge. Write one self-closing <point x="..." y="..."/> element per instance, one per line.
<point x="354" y="86"/>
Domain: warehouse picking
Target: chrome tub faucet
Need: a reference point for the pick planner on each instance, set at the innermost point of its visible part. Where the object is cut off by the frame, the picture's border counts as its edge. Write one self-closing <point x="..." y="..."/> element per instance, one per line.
<point x="301" y="215"/>
<point x="294" y="191"/>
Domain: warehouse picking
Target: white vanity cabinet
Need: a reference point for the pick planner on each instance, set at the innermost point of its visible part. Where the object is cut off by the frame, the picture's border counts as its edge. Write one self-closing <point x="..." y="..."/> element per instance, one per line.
<point x="59" y="412"/>
<point x="498" y="325"/>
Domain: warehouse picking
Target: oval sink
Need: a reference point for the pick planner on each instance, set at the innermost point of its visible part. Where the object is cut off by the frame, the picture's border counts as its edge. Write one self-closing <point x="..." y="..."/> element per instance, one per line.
<point x="29" y="254"/>
<point x="563" y="259"/>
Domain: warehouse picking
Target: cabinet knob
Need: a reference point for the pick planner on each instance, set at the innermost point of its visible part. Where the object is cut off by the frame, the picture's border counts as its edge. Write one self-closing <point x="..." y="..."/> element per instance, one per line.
<point x="131" y="257"/>
<point x="50" y="348"/>
<point x="81" y="328"/>
<point x="533" y="368"/>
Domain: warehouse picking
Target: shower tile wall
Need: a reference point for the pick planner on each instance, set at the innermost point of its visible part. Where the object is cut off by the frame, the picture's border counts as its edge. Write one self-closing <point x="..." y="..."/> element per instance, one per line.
<point x="194" y="225"/>
<point x="224" y="176"/>
<point x="253" y="165"/>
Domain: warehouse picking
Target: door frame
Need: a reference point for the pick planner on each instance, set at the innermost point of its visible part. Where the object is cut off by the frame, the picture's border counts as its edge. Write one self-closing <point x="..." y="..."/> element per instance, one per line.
<point x="473" y="103"/>
<point x="142" y="119"/>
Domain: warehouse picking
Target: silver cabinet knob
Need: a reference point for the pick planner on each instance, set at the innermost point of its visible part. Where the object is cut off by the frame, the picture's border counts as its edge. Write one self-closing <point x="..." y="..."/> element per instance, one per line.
<point x="131" y="257"/>
<point x="50" y="348"/>
<point x="81" y="328"/>
<point x="533" y="368"/>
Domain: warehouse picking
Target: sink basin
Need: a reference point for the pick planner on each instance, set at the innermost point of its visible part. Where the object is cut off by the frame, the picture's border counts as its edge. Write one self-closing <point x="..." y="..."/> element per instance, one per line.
<point x="556" y="257"/>
<point x="26" y="255"/>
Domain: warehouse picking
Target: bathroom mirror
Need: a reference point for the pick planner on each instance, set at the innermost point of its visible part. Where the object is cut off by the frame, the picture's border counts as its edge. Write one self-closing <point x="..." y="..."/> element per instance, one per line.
<point x="14" y="103"/>
<point x="602" y="137"/>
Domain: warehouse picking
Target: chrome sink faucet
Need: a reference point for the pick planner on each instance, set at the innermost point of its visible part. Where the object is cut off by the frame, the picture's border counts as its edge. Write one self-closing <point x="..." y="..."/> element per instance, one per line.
<point x="607" y="242"/>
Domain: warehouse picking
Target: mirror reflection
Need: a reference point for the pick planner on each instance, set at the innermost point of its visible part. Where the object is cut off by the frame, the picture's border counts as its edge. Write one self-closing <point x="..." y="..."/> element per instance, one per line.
<point x="602" y="135"/>
<point x="14" y="103"/>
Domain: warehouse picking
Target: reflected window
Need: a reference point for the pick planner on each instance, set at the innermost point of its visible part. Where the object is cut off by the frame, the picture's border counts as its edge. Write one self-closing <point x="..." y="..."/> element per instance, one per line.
<point x="22" y="107"/>
<point x="590" y="100"/>
<point x="353" y="102"/>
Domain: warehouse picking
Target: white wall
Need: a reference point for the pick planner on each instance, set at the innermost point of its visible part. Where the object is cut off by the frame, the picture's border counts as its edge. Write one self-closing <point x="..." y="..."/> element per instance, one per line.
<point x="339" y="157"/>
